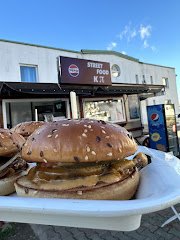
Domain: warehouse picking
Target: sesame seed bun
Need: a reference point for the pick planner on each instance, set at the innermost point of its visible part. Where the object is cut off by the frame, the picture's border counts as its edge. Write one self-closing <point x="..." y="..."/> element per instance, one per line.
<point x="75" y="141"/>
<point x="27" y="128"/>
<point x="10" y="142"/>
<point x="7" y="184"/>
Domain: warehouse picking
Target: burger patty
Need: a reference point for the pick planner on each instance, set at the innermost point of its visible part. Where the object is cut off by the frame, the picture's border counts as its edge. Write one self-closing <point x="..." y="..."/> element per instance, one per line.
<point x="81" y="176"/>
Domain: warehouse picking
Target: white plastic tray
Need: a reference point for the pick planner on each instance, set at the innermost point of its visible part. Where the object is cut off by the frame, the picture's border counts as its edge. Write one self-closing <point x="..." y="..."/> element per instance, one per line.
<point x="159" y="189"/>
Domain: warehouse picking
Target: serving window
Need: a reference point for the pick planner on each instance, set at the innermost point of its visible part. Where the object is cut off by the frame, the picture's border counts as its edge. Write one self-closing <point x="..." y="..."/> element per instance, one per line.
<point x="22" y="110"/>
<point x="112" y="110"/>
<point x="133" y="108"/>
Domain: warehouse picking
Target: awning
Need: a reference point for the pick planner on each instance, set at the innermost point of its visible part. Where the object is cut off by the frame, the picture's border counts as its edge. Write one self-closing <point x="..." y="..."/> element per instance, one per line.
<point x="35" y="90"/>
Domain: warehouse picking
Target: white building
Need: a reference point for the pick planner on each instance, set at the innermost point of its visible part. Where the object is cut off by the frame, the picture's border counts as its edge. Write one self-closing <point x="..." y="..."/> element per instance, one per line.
<point x="40" y="68"/>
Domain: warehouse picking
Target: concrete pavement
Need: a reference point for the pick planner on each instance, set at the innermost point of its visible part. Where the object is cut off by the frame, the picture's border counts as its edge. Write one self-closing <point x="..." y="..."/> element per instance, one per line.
<point x="150" y="229"/>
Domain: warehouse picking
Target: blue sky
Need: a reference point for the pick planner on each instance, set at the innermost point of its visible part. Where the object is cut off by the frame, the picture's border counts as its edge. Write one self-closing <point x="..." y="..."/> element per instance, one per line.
<point x="147" y="30"/>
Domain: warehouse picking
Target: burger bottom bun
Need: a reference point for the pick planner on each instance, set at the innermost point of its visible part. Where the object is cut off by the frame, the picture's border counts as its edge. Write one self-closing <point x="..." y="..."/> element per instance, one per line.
<point x="7" y="184"/>
<point x="123" y="190"/>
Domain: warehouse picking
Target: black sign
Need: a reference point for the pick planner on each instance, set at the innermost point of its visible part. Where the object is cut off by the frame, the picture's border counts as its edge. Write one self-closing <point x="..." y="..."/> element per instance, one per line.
<point x="86" y="72"/>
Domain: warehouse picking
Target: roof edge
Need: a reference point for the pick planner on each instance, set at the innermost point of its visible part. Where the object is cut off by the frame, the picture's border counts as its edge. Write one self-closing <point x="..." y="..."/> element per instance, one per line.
<point x="40" y="46"/>
<point x="86" y="51"/>
<point x="157" y="65"/>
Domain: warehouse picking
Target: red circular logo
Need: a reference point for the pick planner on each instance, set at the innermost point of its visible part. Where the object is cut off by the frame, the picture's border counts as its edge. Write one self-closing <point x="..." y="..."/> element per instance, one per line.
<point x="154" y="117"/>
<point x="73" y="70"/>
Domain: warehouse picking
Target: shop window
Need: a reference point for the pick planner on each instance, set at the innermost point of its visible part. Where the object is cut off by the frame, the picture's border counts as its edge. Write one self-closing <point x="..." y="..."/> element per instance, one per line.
<point x="144" y="80"/>
<point x="165" y="82"/>
<point x="107" y="110"/>
<point x="25" y="110"/>
<point x="28" y="73"/>
<point x="133" y="103"/>
<point x="168" y="101"/>
<point x="137" y="79"/>
<point x="18" y="112"/>
<point x="151" y="79"/>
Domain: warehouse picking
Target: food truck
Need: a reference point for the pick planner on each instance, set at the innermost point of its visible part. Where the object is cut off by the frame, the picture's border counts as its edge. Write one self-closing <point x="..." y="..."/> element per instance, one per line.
<point x="85" y="83"/>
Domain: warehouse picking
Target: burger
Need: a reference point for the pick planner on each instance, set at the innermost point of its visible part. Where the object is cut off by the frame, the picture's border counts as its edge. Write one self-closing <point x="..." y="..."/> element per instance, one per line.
<point x="84" y="159"/>
<point x="11" y="164"/>
<point x="27" y="128"/>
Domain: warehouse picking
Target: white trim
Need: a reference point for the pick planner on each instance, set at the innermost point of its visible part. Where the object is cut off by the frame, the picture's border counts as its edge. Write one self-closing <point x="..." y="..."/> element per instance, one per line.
<point x="4" y="114"/>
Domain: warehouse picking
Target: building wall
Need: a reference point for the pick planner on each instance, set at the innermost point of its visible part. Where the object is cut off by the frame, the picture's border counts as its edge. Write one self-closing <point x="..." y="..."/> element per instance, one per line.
<point x="13" y="54"/>
<point x="170" y="93"/>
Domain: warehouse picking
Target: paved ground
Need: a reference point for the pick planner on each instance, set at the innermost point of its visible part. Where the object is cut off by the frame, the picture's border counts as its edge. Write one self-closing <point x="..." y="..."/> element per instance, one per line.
<point x="150" y="229"/>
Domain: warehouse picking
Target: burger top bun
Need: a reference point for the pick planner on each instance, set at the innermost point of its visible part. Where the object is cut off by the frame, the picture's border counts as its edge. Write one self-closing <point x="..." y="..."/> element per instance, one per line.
<point x="10" y="142"/>
<point x="82" y="140"/>
<point x="27" y="128"/>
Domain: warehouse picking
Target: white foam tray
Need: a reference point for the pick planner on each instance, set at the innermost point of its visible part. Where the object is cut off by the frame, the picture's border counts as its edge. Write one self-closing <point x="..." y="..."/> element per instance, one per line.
<point x="159" y="189"/>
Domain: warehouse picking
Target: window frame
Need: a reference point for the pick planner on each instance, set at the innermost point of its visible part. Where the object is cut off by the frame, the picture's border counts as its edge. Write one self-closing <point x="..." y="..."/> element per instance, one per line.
<point x="137" y="79"/>
<point x="165" y="82"/>
<point x="151" y="80"/>
<point x="144" y="79"/>
<point x="29" y="66"/>
<point x="115" y="71"/>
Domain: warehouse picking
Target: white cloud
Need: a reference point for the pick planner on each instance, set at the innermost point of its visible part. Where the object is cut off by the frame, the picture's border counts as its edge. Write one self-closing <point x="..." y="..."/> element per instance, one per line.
<point x="145" y="31"/>
<point x="124" y="32"/>
<point x="123" y="52"/>
<point x="111" y="46"/>
<point x="128" y="33"/>
<point x="145" y="44"/>
<point x="153" y="48"/>
<point x="141" y="33"/>
<point x="133" y="33"/>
